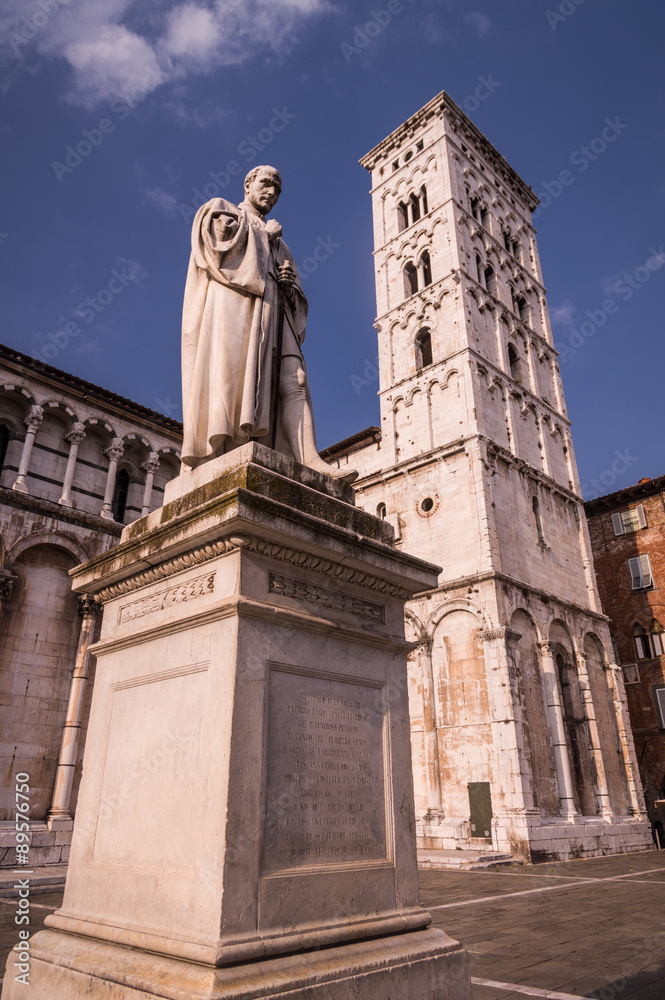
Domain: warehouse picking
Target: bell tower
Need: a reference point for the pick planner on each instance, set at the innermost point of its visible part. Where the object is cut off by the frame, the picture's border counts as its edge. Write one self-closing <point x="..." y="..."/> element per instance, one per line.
<point x="517" y="707"/>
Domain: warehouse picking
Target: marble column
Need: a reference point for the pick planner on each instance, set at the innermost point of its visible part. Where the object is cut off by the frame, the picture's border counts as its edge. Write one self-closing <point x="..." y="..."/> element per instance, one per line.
<point x="150" y="468"/>
<point x="69" y="746"/>
<point x="602" y="790"/>
<point x="32" y="422"/>
<point x="74" y="437"/>
<point x="114" y="454"/>
<point x="557" y="729"/>
<point x="431" y="732"/>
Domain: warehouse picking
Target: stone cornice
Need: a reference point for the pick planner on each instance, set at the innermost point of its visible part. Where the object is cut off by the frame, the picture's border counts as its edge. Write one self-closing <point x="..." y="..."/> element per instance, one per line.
<point x="70" y="515"/>
<point x="502" y="632"/>
<point x="249" y="543"/>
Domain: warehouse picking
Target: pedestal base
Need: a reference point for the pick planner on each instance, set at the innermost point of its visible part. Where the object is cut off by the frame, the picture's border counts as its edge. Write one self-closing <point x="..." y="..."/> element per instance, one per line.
<point x="425" y="964"/>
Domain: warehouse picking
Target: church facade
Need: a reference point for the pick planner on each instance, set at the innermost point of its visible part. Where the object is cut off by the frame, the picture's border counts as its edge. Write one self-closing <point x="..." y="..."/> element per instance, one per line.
<point x="76" y="463"/>
<point x="520" y="732"/>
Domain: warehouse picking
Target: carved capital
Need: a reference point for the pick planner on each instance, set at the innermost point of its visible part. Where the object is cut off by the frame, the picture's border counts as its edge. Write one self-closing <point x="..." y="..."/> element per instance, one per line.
<point x="502" y="632"/>
<point x="116" y="450"/>
<point x="76" y="434"/>
<point x="547" y="647"/>
<point x="152" y="462"/>
<point x="88" y="606"/>
<point x="34" y="418"/>
<point x="6" y="584"/>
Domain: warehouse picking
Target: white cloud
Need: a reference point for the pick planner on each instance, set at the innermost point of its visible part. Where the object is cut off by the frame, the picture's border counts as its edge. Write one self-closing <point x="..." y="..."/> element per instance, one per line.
<point x="114" y="46"/>
<point x="480" y="22"/>
<point x="564" y="314"/>
<point x="167" y="203"/>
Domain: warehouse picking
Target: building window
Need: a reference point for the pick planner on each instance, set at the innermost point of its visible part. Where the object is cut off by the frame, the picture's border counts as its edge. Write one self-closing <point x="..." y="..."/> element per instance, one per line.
<point x="423" y="199"/>
<point x="4" y="441"/>
<point x="629" y="520"/>
<point x="507" y="239"/>
<point x="515" y="364"/>
<point x="640" y="572"/>
<point x="491" y="281"/>
<point x="479" y="269"/>
<point x="415" y="207"/>
<point x="423" y="344"/>
<point x="475" y="209"/>
<point x="521" y="307"/>
<point x="410" y="279"/>
<point x="381" y="511"/>
<point x="484" y="217"/>
<point x="426" y="266"/>
<point x="402" y="217"/>
<point x="120" y="495"/>
<point x="649" y="645"/>
<point x="659" y="693"/>
<point x="539" y="521"/>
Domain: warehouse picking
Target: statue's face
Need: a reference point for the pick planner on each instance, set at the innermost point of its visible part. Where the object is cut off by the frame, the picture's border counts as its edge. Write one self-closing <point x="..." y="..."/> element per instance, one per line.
<point x="263" y="192"/>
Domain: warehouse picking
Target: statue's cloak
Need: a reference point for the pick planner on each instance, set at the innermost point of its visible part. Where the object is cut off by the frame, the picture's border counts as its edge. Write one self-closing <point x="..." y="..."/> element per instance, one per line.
<point x="229" y="330"/>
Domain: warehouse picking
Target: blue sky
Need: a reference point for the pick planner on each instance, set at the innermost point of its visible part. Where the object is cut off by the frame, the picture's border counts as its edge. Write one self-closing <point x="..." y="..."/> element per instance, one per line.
<point x="162" y="94"/>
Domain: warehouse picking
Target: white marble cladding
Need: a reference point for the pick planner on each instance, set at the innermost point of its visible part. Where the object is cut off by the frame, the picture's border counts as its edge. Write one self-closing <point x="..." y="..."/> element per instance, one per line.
<point x="77" y="449"/>
<point x="513" y="686"/>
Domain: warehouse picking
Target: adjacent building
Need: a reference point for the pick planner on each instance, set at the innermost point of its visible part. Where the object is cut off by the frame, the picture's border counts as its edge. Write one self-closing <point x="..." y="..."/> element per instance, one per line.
<point x="76" y="463"/>
<point x="520" y="732"/>
<point x="627" y="531"/>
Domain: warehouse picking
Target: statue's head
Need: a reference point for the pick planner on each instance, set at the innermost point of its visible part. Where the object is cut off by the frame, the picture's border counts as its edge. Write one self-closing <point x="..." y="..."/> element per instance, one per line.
<point x="262" y="188"/>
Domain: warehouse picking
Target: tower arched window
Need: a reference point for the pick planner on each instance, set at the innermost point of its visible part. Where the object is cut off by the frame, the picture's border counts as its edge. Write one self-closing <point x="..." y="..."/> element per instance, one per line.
<point x="410" y="279"/>
<point x="381" y="511"/>
<point x="475" y="208"/>
<point x="414" y="203"/>
<point x="479" y="269"/>
<point x="521" y="307"/>
<point x="120" y="495"/>
<point x="423" y="345"/>
<point x="535" y="504"/>
<point x="516" y="248"/>
<point x="402" y="217"/>
<point x="491" y="283"/>
<point x="515" y="363"/>
<point x="4" y="441"/>
<point x="484" y="217"/>
<point x="507" y="239"/>
<point x="426" y="265"/>
<point x="423" y="199"/>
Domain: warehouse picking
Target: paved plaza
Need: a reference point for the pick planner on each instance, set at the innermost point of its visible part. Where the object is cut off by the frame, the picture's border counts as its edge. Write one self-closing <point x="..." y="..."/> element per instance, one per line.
<point x="593" y="928"/>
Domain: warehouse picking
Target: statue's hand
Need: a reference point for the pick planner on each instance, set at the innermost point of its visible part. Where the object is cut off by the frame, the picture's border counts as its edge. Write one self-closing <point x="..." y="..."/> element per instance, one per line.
<point x="273" y="229"/>
<point x="286" y="276"/>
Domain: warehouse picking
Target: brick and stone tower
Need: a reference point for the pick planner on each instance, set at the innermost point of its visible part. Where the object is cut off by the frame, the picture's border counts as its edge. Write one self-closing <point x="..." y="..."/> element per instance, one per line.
<point x="520" y="733"/>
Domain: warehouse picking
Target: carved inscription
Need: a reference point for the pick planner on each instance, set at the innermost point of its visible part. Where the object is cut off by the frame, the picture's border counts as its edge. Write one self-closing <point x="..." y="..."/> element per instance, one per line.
<point x="189" y="591"/>
<point x="323" y="598"/>
<point x="325" y="801"/>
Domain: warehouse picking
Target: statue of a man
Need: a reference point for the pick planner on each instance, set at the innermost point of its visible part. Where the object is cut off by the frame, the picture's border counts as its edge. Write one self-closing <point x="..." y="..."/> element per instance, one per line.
<point x="242" y="286"/>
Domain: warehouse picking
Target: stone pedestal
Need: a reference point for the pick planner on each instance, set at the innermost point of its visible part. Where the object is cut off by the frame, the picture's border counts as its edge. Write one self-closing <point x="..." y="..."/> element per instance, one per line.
<point x="245" y="823"/>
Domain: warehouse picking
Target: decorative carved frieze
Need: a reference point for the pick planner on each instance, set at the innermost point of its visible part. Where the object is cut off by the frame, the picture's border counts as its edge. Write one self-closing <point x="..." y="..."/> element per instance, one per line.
<point x="300" y="590"/>
<point x="502" y="632"/>
<point x="271" y="550"/>
<point x="201" y="586"/>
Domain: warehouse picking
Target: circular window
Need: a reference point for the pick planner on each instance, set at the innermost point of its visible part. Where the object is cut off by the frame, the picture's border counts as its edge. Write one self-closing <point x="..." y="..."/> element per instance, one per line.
<point x="428" y="504"/>
<point x="407" y="156"/>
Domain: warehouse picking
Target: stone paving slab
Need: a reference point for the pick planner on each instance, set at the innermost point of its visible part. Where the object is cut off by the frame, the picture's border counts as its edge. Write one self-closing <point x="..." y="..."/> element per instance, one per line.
<point x="587" y="931"/>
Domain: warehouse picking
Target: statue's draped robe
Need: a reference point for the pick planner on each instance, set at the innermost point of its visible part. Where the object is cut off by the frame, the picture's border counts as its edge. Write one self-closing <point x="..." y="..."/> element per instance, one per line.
<point x="229" y="330"/>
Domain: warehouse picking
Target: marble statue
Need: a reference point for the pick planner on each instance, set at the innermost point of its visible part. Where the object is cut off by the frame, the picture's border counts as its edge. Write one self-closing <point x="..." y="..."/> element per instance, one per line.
<point x="244" y="320"/>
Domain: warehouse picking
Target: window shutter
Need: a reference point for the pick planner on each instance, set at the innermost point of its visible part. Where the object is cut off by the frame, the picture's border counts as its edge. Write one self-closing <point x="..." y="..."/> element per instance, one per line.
<point x="657" y="643"/>
<point x="635" y="572"/>
<point x="641" y="516"/>
<point x="618" y="524"/>
<point x="660" y="698"/>
<point x="639" y="647"/>
<point x="646" y="571"/>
